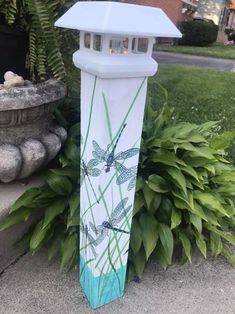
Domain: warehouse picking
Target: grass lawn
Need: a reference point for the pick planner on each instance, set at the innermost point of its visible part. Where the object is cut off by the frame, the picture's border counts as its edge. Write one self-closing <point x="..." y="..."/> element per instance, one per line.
<point x="216" y="50"/>
<point x="198" y="95"/>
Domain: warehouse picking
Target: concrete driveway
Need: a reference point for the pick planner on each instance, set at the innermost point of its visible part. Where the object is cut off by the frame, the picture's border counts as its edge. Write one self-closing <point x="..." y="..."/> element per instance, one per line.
<point x="197" y="61"/>
<point x="32" y="286"/>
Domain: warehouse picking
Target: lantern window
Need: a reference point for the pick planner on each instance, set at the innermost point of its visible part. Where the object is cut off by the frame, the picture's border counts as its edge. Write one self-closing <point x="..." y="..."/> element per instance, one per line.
<point x="119" y="45"/>
<point x="97" y="43"/>
<point x="140" y="45"/>
<point x="87" y="40"/>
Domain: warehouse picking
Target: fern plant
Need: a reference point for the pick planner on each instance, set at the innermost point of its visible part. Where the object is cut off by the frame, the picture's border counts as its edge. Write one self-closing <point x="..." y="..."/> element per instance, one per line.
<point x="37" y="18"/>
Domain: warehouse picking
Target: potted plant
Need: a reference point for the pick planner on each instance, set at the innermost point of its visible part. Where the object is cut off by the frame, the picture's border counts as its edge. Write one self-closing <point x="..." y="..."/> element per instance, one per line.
<point x="13" y="50"/>
<point x="29" y="136"/>
<point x="36" y="19"/>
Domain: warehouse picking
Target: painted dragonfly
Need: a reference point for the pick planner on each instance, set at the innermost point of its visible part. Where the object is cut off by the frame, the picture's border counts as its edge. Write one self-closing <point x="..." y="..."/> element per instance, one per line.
<point x="118" y="214"/>
<point x="88" y="170"/>
<point x="112" y="160"/>
<point x="90" y="241"/>
<point x="127" y="174"/>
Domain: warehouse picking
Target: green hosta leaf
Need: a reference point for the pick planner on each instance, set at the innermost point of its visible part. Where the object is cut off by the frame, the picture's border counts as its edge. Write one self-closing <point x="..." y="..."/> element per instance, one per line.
<point x="24" y="242"/>
<point x="178" y="178"/>
<point x="138" y="204"/>
<point x="162" y="255"/>
<point x="182" y="130"/>
<point x="161" y="143"/>
<point x="227" y="189"/>
<point x="210" y="201"/>
<point x="201" y="243"/>
<point x="221" y="159"/>
<point x="26" y="199"/>
<point x="139" y="184"/>
<point x="74" y="201"/>
<point x="211" y="217"/>
<point x="198" y="210"/>
<point x="155" y="203"/>
<point x="197" y="138"/>
<point x="59" y="184"/>
<point x="228" y="254"/>
<point x="75" y="131"/>
<point x="38" y="236"/>
<point x="190" y="171"/>
<point x="167" y="240"/>
<point x="136" y="236"/>
<point x="67" y="171"/>
<point x="139" y="261"/>
<point x="182" y="202"/>
<point x="194" y="161"/>
<point x="15" y="218"/>
<point x="185" y="146"/>
<point x="186" y="244"/>
<point x="224" y="234"/>
<point x="196" y="221"/>
<point x="227" y="176"/>
<point x="207" y="127"/>
<point x="55" y="209"/>
<point x="64" y="162"/>
<point x="221" y="168"/>
<point x="165" y="157"/>
<point x="131" y="275"/>
<point x="198" y="184"/>
<point x="149" y="233"/>
<point x="74" y="220"/>
<point x="148" y="195"/>
<point x="176" y="218"/>
<point x="72" y="151"/>
<point x="222" y="141"/>
<point x="216" y="244"/>
<point x="210" y="169"/>
<point x="204" y="152"/>
<point x="157" y="184"/>
<point x="189" y="185"/>
<point x="68" y="248"/>
<point x="230" y="209"/>
<point x="55" y="243"/>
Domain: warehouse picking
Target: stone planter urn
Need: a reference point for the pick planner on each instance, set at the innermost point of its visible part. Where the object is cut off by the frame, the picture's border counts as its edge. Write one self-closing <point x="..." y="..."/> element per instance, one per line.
<point x="29" y="137"/>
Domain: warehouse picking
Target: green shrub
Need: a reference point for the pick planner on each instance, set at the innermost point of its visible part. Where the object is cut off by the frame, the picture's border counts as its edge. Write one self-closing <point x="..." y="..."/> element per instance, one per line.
<point x="198" y="33"/>
<point x="185" y="192"/>
<point x="184" y="197"/>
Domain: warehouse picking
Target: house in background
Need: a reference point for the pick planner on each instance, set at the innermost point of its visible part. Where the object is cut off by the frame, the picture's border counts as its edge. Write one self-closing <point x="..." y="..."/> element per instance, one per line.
<point x="177" y="10"/>
<point x="231" y="20"/>
<point x="221" y="12"/>
<point x="214" y="10"/>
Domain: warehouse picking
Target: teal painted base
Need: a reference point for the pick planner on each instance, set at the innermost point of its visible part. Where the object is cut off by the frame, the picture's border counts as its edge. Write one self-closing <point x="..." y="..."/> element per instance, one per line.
<point x="104" y="289"/>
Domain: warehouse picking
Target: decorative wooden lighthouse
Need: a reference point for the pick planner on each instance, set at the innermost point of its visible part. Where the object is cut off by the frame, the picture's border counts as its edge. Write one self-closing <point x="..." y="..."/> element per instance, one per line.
<point x="116" y="42"/>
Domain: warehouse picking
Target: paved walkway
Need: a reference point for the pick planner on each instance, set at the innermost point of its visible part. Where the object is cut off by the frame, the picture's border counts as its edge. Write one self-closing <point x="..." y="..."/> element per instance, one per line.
<point x="198" y="61"/>
<point x="32" y="286"/>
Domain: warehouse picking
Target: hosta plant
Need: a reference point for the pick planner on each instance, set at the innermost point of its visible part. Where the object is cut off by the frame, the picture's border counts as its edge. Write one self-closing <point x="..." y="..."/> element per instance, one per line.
<point x="185" y="192"/>
<point x="184" y="197"/>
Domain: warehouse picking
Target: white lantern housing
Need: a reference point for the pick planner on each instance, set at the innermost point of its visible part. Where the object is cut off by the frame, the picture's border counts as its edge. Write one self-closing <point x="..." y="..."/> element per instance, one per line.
<point x="116" y="39"/>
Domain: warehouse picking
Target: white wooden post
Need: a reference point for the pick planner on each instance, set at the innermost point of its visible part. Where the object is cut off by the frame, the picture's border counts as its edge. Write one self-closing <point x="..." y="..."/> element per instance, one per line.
<point x="116" y="42"/>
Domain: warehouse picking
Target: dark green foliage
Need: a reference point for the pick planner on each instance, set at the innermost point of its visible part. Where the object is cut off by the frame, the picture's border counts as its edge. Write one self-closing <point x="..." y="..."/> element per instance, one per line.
<point x="37" y="18"/>
<point x="198" y="33"/>
<point x="184" y="197"/>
